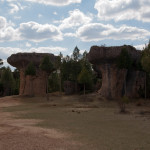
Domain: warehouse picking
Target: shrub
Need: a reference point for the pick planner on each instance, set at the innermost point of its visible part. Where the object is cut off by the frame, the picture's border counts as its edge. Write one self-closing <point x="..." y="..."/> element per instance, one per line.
<point x="122" y="104"/>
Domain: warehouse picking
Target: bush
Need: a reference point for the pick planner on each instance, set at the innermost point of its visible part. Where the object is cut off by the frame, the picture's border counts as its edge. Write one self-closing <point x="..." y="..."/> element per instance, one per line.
<point x="30" y="70"/>
<point x="122" y="104"/>
<point x="124" y="60"/>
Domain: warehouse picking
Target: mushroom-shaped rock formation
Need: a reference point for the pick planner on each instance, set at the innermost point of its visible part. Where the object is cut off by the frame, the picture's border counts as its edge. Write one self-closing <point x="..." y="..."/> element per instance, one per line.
<point x="116" y="82"/>
<point x="30" y="85"/>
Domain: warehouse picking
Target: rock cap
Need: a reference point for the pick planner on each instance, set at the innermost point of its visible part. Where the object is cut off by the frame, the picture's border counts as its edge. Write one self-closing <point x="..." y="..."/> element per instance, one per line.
<point x="21" y="60"/>
<point x="102" y="54"/>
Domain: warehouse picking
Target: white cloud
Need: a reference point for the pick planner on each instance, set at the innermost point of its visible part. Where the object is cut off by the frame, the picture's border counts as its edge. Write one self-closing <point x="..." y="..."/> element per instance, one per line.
<point x="8" y="51"/>
<point x="17" y="17"/>
<point x="7" y="32"/>
<point x="140" y="47"/>
<point x="28" y="44"/>
<point x="54" y="50"/>
<point x="39" y="15"/>
<point x="98" y="31"/>
<point x="37" y="32"/>
<point x="76" y="18"/>
<point x="70" y="35"/>
<point x="123" y="10"/>
<point x="2" y="22"/>
<point x="28" y="31"/>
<point x="14" y="8"/>
<point x="55" y="13"/>
<point x="55" y="2"/>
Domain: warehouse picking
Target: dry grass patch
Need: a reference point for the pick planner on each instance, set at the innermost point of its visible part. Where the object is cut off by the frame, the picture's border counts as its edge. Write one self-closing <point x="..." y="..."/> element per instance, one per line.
<point x="96" y="124"/>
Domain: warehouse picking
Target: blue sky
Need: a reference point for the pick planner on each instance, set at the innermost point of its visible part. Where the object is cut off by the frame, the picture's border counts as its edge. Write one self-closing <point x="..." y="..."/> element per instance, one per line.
<point x="56" y="26"/>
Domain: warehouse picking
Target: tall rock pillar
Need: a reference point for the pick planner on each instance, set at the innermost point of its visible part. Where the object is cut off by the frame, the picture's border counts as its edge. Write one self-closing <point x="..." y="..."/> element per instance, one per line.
<point x="30" y="85"/>
<point x="116" y="82"/>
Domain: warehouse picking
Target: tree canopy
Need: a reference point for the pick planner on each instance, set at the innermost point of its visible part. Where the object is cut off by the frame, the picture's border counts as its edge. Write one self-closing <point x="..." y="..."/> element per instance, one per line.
<point x="1" y="62"/>
<point x="124" y="60"/>
<point x="46" y="64"/>
<point x="145" y="60"/>
<point x="30" y="70"/>
<point x="7" y="81"/>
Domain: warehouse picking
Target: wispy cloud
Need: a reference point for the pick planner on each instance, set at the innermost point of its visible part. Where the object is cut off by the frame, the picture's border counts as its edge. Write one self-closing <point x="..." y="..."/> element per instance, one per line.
<point x="55" y="2"/>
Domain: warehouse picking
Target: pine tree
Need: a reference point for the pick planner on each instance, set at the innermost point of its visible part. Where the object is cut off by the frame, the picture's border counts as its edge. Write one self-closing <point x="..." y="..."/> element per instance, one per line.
<point x="7" y="81"/>
<point x="47" y="66"/>
<point x="124" y="60"/>
<point x="84" y="78"/>
<point x="145" y="62"/>
<point x="1" y="62"/>
<point x="30" y="70"/>
<point x="76" y="54"/>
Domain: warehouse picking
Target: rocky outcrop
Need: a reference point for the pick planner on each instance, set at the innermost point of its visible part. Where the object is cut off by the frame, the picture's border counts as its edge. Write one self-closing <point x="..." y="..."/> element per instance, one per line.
<point x="30" y="85"/>
<point x="116" y="82"/>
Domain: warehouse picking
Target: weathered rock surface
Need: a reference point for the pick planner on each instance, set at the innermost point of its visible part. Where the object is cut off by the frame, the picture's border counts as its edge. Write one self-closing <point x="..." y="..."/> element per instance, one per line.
<point x="30" y="85"/>
<point x="116" y="82"/>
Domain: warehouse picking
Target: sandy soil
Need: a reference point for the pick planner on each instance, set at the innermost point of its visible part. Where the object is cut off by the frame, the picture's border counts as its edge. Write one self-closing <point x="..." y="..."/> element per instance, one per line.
<point x="18" y="134"/>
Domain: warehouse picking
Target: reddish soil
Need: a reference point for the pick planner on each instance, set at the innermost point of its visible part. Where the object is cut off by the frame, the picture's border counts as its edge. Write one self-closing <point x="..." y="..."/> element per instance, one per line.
<point x="18" y="134"/>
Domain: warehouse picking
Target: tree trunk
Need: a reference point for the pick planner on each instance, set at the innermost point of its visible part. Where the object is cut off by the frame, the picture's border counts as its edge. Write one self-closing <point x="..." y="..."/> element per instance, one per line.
<point x="24" y="83"/>
<point x="32" y="90"/>
<point x="84" y="89"/>
<point x="125" y="88"/>
<point x="47" y="95"/>
<point x="60" y="82"/>
<point x="145" y="86"/>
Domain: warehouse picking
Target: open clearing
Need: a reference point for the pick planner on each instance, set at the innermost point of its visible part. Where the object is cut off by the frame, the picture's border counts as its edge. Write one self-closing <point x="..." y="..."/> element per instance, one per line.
<point x="72" y="123"/>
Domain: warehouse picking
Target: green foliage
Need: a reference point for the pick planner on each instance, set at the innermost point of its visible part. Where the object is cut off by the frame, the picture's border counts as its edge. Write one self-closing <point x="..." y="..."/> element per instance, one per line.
<point x="46" y="65"/>
<point x="30" y="70"/>
<point x="145" y="60"/>
<point x="1" y="89"/>
<point x="125" y="99"/>
<point x="124" y="60"/>
<point x="77" y="64"/>
<point x="76" y="54"/>
<point x="122" y="103"/>
<point x="7" y="81"/>
<point x="16" y="75"/>
<point x="57" y="62"/>
<point x="85" y="77"/>
<point x="70" y="69"/>
<point x="1" y="62"/>
<point x="53" y="82"/>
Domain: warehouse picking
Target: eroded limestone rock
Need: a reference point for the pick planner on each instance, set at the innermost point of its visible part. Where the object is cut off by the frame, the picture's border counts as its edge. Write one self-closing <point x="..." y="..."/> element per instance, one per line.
<point x="30" y="85"/>
<point x="116" y="82"/>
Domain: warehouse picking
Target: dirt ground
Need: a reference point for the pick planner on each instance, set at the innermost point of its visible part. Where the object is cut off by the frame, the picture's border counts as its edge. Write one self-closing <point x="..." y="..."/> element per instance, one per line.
<point x="72" y="123"/>
<point x="19" y="134"/>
